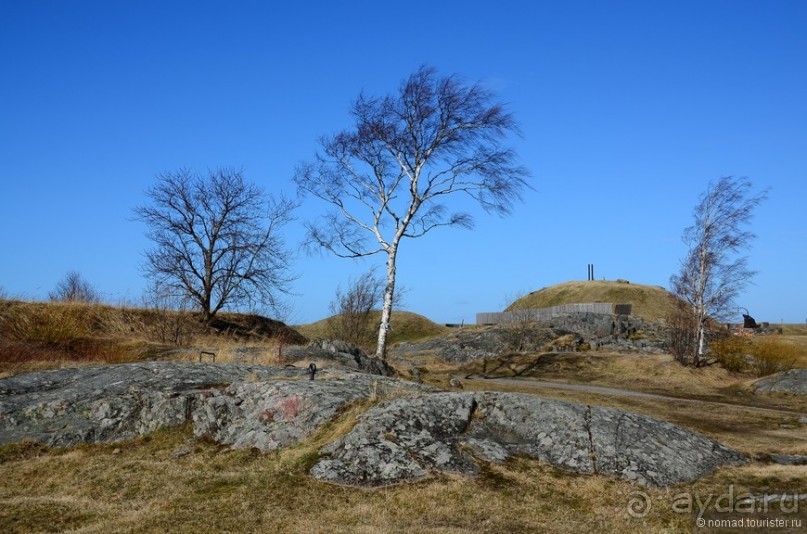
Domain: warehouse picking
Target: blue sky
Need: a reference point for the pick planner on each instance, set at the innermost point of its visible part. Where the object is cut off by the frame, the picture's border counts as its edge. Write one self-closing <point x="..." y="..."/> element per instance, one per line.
<point x="628" y="110"/>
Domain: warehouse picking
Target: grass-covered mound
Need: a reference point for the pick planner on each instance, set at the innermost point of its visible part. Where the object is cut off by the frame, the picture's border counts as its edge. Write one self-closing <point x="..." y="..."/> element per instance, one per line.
<point x="649" y="302"/>
<point x="406" y="327"/>
<point x="46" y="334"/>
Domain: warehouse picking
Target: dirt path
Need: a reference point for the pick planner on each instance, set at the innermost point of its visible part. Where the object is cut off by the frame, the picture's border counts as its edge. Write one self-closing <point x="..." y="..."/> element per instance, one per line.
<point x="602" y="390"/>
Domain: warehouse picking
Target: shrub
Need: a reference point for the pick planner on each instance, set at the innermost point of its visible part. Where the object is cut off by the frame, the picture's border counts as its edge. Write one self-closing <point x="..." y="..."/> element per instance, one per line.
<point x="74" y="288"/>
<point x="772" y="355"/>
<point x="353" y="310"/>
<point x="681" y="332"/>
<point x="731" y="352"/>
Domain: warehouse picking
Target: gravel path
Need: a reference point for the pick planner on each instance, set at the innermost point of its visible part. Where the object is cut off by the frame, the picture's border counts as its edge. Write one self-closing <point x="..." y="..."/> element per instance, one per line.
<point x="602" y="390"/>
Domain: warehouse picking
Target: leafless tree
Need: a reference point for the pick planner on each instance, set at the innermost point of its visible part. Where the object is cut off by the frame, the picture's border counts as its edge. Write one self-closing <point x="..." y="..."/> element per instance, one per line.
<point x="387" y="178"/>
<point x="217" y="240"/>
<point x="713" y="273"/>
<point x="74" y="288"/>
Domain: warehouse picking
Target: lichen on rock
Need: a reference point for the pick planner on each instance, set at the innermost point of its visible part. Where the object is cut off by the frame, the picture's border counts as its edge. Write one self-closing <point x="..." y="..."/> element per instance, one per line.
<point x="441" y="432"/>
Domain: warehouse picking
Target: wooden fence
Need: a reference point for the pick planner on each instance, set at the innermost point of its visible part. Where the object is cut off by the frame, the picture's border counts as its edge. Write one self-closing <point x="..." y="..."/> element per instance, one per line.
<point x="543" y="314"/>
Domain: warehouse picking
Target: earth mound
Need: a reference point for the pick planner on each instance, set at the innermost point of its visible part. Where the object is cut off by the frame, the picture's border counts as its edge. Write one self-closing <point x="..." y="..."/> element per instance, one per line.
<point x="651" y="303"/>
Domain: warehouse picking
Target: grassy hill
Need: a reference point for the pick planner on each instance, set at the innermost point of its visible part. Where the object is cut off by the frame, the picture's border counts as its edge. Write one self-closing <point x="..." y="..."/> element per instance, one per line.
<point x="406" y="326"/>
<point x="649" y="302"/>
<point x="46" y="334"/>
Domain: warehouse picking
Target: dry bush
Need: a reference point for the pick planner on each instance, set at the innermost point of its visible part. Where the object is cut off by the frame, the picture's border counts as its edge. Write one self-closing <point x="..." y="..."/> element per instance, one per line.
<point x="772" y="355"/>
<point x="74" y="288"/>
<point x="352" y="310"/>
<point x="682" y="332"/>
<point x="731" y="352"/>
<point x="517" y="331"/>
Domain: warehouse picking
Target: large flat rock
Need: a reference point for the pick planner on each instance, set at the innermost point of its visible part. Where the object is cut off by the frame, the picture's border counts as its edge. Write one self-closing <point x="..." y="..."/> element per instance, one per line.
<point x="268" y="415"/>
<point x="112" y="402"/>
<point x="793" y="381"/>
<point x="406" y="439"/>
<point x="419" y="432"/>
<point x="230" y="402"/>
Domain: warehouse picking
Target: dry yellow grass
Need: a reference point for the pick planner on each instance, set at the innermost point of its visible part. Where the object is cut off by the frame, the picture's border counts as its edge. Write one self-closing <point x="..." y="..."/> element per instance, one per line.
<point x="39" y="335"/>
<point x="406" y="327"/>
<point x="795" y="330"/>
<point x="138" y="486"/>
<point x="794" y="345"/>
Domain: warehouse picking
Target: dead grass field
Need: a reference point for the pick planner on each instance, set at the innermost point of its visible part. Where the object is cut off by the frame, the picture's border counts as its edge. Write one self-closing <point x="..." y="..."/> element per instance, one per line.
<point x="138" y="486"/>
<point x="799" y="341"/>
<point x="172" y="482"/>
<point x="37" y="335"/>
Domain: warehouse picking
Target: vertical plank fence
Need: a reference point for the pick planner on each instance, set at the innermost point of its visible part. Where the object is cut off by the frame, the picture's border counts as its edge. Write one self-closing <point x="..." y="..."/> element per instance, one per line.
<point x="544" y="314"/>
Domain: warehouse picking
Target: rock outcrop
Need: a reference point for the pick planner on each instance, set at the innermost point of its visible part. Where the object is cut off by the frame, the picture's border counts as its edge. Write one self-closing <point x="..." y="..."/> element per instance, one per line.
<point x="793" y="381"/>
<point x="620" y="333"/>
<point x="470" y="344"/>
<point x="341" y="353"/>
<point x="405" y="439"/>
<point x="419" y="432"/>
<point x="268" y="415"/>
<point x="232" y="403"/>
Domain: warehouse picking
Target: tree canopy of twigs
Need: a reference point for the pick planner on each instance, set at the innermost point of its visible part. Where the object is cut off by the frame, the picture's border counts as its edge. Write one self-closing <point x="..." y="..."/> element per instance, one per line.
<point x="392" y="175"/>
<point x="352" y="309"/>
<point x="74" y="288"/>
<point x="217" y="240"/>
<point x="713" y="273"/>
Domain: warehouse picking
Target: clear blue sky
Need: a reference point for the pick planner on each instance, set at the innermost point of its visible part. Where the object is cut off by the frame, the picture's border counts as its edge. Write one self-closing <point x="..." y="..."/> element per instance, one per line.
<point x="628" y="110"/>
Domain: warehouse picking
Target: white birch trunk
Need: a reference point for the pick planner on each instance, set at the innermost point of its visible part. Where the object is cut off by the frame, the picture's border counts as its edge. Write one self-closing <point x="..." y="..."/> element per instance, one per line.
<point x="701" y="343"/>
<point x="386" y="309"/>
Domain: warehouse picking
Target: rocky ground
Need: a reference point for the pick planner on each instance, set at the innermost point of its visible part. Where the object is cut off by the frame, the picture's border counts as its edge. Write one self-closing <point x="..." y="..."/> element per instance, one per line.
<point x="405" y="439"/>
<point x="417" y="432"/>
<point x="340" y="353"/>
<point x="574" y="332"/>
<point x="793" y="381"/>
<point x="114" y="402"/>
<point x="409" y="432"/>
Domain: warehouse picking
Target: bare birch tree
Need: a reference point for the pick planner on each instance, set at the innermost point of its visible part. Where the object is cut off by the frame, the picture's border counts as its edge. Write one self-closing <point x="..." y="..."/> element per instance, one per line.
<point x="713" y="273"/>
<point x="387" y="178"/>
<point x="217" y="240"/>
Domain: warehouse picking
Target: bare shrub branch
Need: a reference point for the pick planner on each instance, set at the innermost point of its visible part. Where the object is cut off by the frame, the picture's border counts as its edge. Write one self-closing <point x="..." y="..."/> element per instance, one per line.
<point x="74" y="288"/>
<point x="352" y="310"/>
